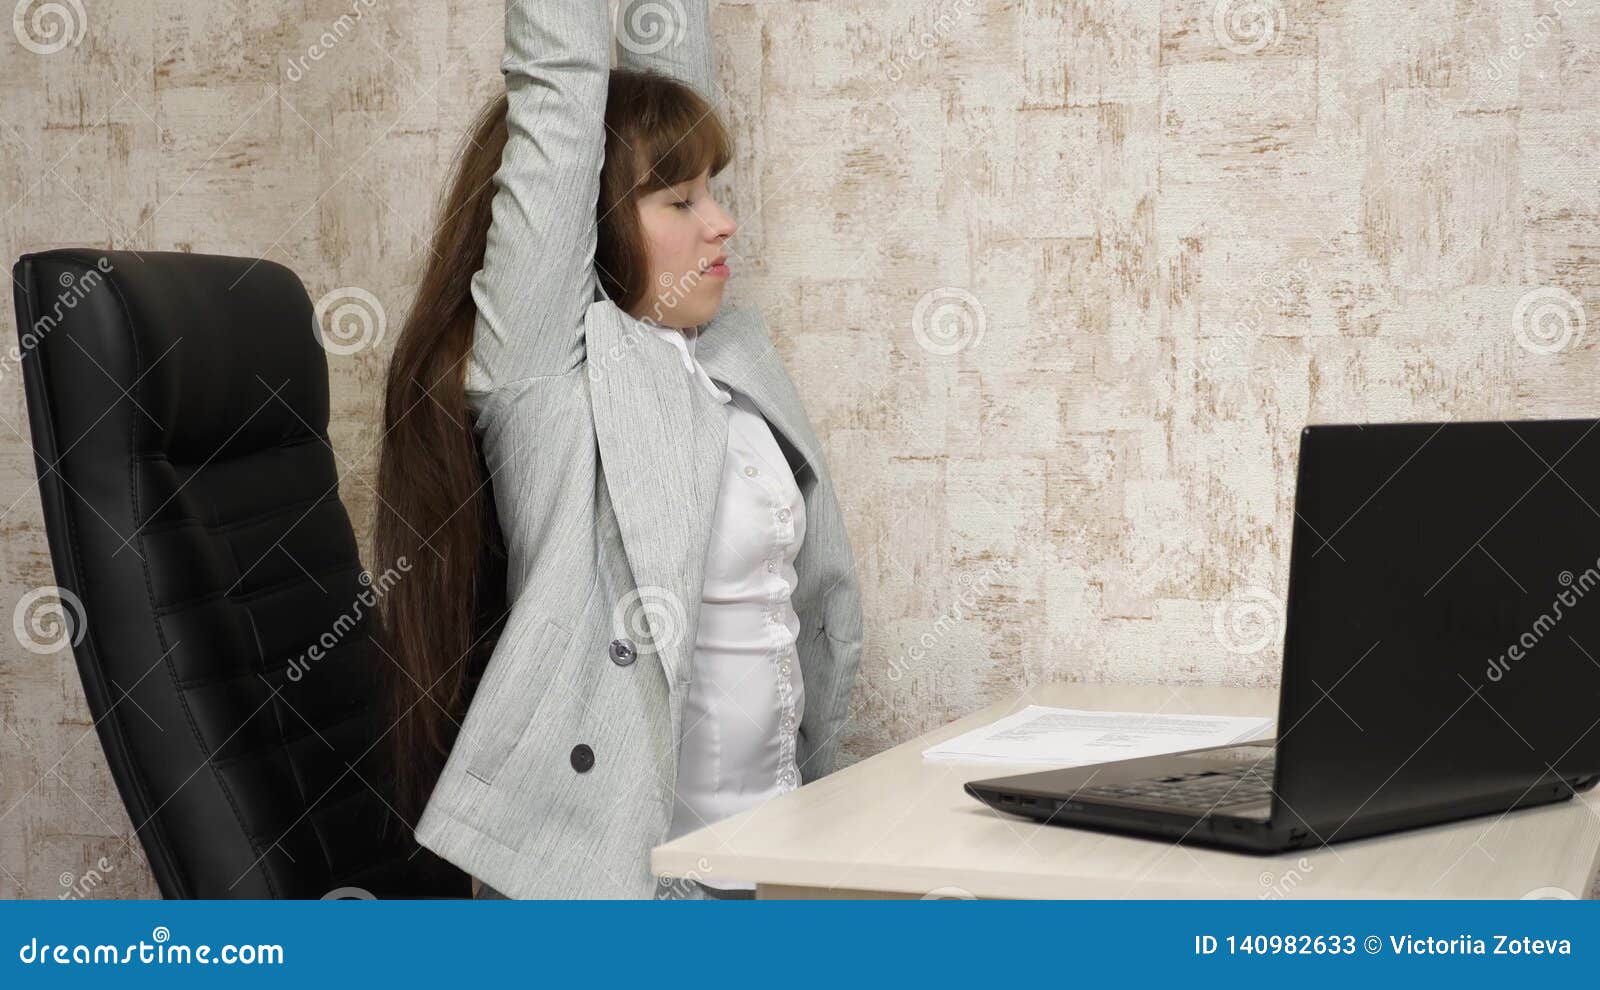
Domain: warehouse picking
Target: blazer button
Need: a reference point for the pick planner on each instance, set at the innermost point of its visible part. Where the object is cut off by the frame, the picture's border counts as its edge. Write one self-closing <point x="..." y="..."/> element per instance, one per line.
<point x="623" y="652"/>
<point x="582" y="758"/>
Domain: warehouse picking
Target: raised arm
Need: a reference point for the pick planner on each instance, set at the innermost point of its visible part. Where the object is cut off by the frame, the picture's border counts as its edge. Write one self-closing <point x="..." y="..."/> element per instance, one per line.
<point x="672" y="38"/>
<point x="538" y="276"/>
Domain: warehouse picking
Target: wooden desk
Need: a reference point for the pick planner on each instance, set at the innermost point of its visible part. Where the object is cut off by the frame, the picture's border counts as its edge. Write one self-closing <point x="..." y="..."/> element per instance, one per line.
<point x="895" y="826"/>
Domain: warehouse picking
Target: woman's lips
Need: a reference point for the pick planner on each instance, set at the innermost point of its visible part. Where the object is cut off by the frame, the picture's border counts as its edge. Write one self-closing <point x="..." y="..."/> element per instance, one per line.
<point x="718" y="271"/>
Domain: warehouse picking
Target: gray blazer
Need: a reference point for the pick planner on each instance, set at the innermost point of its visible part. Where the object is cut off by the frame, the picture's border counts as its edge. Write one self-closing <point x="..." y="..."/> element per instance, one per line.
<point x="606" y="463"/>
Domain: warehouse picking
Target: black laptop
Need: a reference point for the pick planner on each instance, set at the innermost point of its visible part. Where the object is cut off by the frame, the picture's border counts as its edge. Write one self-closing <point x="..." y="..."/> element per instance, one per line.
<point x="1441" y="651"/>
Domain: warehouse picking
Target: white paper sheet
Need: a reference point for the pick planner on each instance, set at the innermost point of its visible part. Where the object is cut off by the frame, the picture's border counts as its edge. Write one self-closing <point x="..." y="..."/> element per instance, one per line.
<point x="1070" y="737"/>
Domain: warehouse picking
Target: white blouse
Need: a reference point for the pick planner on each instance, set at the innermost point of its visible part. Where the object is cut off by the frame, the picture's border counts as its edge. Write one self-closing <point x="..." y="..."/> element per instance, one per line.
<point x="745" y="699"/>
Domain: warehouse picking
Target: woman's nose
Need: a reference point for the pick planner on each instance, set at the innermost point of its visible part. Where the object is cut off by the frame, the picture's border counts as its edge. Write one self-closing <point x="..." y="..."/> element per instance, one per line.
<point x="723" y="225"/>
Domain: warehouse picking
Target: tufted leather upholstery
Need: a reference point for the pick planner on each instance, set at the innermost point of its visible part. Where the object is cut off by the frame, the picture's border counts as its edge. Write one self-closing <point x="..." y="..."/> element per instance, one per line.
<point x="179" y="410"/>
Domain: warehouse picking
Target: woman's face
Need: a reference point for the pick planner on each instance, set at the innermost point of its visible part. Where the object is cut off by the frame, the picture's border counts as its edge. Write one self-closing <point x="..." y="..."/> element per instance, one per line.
<point x="684" y="230"/>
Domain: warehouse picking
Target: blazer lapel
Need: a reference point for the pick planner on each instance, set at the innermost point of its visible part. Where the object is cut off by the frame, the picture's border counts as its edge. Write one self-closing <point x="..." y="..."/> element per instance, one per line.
<point x="661" y="449"/>
<point x="735" y="348"/>
<point x="662" y="439"/>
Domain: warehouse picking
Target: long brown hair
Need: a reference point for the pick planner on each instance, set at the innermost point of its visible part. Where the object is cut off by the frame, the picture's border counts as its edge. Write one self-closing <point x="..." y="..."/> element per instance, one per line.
<point x="435" y="519"/>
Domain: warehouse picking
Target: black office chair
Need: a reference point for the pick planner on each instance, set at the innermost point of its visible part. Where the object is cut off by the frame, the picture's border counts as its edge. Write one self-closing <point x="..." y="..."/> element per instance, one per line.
<point x="179" y="410"/>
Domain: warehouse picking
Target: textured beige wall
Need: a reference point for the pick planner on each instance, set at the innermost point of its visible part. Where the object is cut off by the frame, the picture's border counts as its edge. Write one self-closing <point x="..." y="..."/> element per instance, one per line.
<point x="1060" y="282"/>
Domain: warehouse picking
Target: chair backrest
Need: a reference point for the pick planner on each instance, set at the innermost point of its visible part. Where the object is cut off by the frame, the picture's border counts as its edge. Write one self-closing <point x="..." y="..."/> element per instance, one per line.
<point x="178" y="405"/>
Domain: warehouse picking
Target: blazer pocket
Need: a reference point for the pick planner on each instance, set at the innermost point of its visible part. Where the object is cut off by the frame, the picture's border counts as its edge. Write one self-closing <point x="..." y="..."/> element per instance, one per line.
<point x="515" y="685"/>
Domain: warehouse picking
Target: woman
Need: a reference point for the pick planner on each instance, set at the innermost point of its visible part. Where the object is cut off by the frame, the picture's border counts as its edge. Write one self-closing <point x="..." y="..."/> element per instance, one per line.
<point x="680" y="623"/>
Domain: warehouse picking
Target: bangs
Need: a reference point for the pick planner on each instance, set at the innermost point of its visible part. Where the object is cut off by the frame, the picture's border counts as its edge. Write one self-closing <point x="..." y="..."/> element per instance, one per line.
<point x="688" y="139"/>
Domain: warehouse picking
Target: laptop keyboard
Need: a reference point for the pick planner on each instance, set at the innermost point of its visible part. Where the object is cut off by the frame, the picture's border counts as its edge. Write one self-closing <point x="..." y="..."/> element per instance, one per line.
<point x="1208" y="788"/>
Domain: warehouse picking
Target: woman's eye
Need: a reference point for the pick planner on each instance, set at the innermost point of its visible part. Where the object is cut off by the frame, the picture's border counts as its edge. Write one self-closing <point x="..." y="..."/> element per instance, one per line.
<point x="682" y="204"/>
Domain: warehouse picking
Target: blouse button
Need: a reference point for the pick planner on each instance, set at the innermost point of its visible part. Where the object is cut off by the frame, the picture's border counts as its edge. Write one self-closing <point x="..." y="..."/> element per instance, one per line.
<point x="783" y="668"/>
<point x="771" y="566"/>
<point x="750" y="471"/>
<point x="783" y="515"/>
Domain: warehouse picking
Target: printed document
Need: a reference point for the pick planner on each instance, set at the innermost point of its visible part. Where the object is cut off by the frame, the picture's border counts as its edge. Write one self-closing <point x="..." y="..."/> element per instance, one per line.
<point x="1069" y="737"/>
